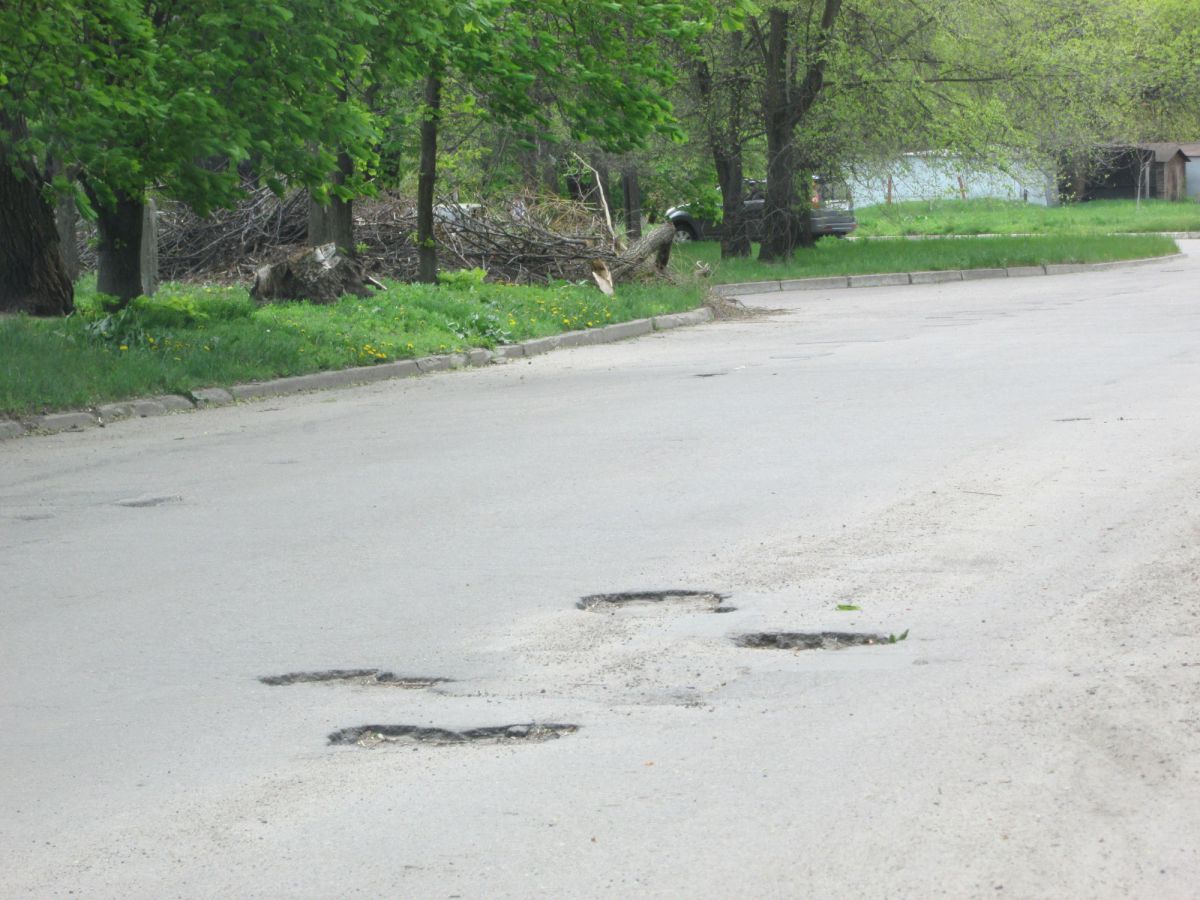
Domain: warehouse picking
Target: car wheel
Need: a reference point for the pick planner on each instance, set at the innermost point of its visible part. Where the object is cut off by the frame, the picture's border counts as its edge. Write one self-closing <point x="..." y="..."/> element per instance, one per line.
<point x="684" y="234"/>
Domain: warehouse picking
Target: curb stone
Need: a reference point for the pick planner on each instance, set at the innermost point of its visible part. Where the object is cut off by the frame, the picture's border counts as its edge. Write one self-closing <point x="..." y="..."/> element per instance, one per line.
<point x="815" y="284"/>
<point x="883" y="279"/>
<point x="980" y="274"/>
<point x="52" y="423"/>
<point x="203" y="398"/>
<point x="212" y="397"/>
<point x="936" y="277"/>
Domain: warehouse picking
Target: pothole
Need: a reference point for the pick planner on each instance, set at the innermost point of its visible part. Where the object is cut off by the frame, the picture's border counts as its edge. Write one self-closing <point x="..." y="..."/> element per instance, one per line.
<point x="708" y="601"/>
<point x="529" y="732"/>
<point x="148" y="501"/>
<point x="353" y="676"/>
<point x="814" y="640"/>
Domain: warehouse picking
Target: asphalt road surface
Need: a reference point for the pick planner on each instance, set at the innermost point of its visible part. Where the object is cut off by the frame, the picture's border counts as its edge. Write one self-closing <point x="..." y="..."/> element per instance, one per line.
<point x="1008" y="471"/>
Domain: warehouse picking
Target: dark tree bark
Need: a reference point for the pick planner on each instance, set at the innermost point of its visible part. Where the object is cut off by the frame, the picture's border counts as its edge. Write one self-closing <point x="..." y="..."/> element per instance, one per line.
<point x="631" y="197"/>
<point x="33" y="278"/>
<point x="334" y="222"/>
<point x="735" y="240"/>
<point x="786" y="102"/>
<point x="119" y="254"/>
<point x="779" y="221"/>
<point x="427" y="264"/>
<point x="723" y="104"/>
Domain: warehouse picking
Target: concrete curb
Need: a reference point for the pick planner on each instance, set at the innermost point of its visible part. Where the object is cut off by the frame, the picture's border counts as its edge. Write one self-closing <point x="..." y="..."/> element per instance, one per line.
<point x="53" y="423"/>
<point x="1177" y="235"/>
<point x="888" y="279"/>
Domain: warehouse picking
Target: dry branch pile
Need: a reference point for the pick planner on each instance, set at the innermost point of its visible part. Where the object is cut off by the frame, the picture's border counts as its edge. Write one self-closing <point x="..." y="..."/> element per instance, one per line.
<point x="523" y="240"/>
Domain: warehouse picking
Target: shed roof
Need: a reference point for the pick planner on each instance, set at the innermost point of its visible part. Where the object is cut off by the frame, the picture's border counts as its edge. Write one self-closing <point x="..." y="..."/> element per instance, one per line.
<point x="1164" y="150"/>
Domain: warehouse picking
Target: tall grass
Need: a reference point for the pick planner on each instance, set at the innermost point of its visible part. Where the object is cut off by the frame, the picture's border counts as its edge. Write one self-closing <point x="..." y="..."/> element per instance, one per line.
<point x="835" y="257"/>
<point x="1013" y="217"/>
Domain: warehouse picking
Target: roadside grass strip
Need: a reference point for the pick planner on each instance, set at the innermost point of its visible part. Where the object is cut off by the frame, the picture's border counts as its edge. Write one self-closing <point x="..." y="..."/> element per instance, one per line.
<point x="967" y="217"/>
<point x="190" y="336"/>
<point x="867" y="257"/>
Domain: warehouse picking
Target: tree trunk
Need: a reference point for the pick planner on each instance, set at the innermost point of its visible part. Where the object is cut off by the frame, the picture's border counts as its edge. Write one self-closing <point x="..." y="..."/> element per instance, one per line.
<point x="636" y="259"/>
<point x="735" y="236"/>
<point x="119" y="254"/>
<point x="779" y="225"/>
<point x="631" y="196"/>
<point x="66" y="221"/>
<point x="333" y="223"/>
<point x="148" y="257"/>
<point x="33" y="278"/>
<point x="427" y="264"/>
<point x="785" y="105"/>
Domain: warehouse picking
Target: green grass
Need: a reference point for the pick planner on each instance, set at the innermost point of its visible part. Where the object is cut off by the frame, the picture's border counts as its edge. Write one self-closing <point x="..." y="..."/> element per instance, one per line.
<point x="1014" y="217"/>
<point x="189" y="336"/>
<point x="835" y="257"/>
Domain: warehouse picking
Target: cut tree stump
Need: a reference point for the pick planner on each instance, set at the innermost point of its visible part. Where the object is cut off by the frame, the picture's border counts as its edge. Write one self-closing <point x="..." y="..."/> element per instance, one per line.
<point x="317" y="274"/>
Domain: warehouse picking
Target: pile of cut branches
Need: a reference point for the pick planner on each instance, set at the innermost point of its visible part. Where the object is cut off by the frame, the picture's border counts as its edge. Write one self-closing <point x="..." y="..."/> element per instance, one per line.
<point x="523" y="240"/>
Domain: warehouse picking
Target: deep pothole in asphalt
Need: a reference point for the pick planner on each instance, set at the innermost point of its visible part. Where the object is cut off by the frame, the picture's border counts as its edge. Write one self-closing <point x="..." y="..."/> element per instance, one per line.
<point x="528" y="732"/>
<point x="814" y="640"/>
<point x="705" y="601"/>
<point x="353" y="676"/>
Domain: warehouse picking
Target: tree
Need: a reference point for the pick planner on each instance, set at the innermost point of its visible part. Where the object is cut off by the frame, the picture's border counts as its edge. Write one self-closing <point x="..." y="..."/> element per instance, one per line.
<point x="720" y="104"/>
<point x="172" y="96"/>
<point x="33" y="274"/>
<point x="57" y="61"/>
<point x="599" y="63"/>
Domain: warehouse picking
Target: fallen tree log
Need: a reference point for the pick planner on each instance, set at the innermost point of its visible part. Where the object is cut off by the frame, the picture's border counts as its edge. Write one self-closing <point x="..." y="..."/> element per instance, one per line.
<point x="317" y="274"/>
<point x="649" y="256"/>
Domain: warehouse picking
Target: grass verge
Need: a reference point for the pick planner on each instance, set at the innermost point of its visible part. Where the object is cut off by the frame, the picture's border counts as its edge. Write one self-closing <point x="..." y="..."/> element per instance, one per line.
<point x="190" y="336"/>
<point x="834" y="257"/>
<point x="1013" y="217"/>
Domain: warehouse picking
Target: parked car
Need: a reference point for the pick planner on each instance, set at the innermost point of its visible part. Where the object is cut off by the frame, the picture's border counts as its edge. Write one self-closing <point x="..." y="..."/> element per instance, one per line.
<point x="832" y="213"/>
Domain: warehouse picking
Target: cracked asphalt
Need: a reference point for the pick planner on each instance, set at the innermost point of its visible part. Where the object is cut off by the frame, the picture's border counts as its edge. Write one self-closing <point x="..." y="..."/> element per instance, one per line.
<point x="1007" y="470"/>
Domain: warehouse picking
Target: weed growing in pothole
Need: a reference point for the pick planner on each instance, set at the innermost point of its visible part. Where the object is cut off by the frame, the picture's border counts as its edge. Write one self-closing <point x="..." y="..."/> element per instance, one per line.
<point x="530" y="732"/>
<point x="352" y="676"/>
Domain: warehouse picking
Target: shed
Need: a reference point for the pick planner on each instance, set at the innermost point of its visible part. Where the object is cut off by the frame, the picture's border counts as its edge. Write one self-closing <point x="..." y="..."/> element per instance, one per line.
<point x="1167" y="171"/>
<point x="1156" y="170"/>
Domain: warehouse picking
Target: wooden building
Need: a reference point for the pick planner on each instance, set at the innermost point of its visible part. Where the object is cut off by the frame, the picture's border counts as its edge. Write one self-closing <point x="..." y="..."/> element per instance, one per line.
<point x="1157" y="171"/>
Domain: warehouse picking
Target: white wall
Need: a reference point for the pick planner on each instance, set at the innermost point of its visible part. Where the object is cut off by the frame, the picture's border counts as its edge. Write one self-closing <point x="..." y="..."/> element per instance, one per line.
<point x="934" y="176"/>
